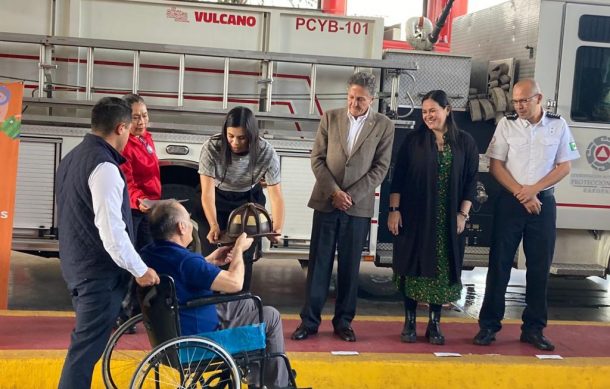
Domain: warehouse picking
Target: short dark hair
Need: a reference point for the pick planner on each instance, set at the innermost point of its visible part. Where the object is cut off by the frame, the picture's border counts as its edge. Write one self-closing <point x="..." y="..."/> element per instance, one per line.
<point x="163" y="219"/>
<point x="132" y="98"/>
<point x="108" y="113"/>
<point x="365" y="80"/>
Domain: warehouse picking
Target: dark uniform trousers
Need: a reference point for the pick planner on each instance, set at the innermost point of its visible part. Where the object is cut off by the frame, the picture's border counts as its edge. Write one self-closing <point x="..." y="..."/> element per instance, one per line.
<point x="334" y="231"/>
<point x="96" y="303"/>
<point x="511" y="224"/>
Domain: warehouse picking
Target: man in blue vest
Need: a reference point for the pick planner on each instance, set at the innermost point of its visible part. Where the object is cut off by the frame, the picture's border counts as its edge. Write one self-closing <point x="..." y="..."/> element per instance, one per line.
<point x="95" y="237"/>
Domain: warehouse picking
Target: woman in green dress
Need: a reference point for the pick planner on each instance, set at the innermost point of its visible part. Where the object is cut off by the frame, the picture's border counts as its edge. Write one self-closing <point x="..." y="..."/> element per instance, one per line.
<point x="432" y="190"/>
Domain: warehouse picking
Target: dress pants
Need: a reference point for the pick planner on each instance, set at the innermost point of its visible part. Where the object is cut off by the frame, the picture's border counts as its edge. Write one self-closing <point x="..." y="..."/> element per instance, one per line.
<point x="244" y="312"/>
<point x="511" y="224"/>
<point x="141" y="229"/>
<point x="130" y="306"/>
<point x="345" y="234"/>
<point x="96" y="303"/>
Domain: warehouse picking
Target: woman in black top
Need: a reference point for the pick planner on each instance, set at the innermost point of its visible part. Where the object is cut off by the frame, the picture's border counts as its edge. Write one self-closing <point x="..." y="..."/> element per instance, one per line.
<point x="432" y="191"/>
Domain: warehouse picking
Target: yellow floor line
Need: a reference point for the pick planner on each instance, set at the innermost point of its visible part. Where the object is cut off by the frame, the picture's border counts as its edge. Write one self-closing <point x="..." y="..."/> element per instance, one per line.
<point x="370" y="370"/>
<point x="6" y="312"/>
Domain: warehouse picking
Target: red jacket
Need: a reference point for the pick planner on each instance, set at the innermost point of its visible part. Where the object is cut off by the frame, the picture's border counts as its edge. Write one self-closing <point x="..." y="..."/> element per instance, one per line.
<point x="141" y="169"/>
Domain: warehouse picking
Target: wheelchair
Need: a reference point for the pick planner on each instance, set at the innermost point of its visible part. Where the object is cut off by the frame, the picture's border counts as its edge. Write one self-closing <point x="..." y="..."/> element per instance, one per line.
<point x="157" y="356"/>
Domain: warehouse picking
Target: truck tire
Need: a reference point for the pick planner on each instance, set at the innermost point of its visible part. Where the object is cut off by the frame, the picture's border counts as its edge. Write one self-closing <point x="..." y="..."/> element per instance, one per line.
<point x="183" y="192"/>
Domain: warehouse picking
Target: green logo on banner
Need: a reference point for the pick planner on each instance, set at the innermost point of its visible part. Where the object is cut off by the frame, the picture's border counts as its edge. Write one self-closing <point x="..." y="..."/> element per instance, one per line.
<point x="11" y="127"/>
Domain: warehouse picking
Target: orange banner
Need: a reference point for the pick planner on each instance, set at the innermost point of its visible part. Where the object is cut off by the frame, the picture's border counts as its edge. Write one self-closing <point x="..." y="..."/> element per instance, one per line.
<point x="11" y="98"/>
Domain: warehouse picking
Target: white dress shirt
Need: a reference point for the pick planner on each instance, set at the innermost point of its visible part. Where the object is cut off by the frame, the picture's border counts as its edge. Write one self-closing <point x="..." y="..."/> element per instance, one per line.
<point x="531" y="151"/>
<point x="355" y="127"/>
<point x="107" y="187"/>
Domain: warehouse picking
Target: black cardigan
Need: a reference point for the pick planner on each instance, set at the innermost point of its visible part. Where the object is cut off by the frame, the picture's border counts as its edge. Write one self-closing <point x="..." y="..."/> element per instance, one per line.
<point x="415" y="178"/>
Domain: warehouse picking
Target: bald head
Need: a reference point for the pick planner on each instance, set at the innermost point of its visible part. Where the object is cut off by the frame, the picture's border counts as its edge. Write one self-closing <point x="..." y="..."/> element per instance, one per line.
<point x="527" y="99"/>
<point x="528" y="84"/>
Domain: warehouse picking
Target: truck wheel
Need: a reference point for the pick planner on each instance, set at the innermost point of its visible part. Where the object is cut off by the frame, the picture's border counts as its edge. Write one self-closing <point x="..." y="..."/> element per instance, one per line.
<point x="183" y="192"/>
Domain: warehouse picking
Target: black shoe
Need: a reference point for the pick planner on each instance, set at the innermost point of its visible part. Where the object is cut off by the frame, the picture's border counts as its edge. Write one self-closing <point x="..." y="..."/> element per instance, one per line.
<point x="484" y="337"/>
<point x="303" y="332"/>
<point x="408" y="334"/>
<point x="537" y="340"/>
<point x="433" y="331"/>
<point x="131" y="330"/>
<point x="346" y="333"/>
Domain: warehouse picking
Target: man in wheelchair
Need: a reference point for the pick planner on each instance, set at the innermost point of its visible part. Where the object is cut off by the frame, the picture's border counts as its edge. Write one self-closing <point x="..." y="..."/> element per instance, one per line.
<point x="196" y="277"/>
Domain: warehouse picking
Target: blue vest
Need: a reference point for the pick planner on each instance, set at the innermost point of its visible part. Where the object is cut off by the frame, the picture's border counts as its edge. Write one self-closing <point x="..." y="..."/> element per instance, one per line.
<point x="82" y="254"/>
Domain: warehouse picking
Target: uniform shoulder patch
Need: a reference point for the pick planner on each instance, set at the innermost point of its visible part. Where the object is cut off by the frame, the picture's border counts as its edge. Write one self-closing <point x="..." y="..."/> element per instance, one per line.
<point x="511" y="115"/>
<point x="552" y="115"/>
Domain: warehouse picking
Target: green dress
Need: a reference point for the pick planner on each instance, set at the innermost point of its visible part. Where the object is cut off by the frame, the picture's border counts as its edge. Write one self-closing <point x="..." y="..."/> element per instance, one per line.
<point x="438" y="290"/>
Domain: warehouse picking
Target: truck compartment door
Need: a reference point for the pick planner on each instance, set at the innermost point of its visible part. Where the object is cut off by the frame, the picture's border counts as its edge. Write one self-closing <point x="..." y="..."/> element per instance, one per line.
<point x="583" y="99"/>
<point x="35" y="195"/>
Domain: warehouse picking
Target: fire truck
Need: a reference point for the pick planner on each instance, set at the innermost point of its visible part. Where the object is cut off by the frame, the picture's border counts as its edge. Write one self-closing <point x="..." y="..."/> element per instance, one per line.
<point x="192" y="61"/>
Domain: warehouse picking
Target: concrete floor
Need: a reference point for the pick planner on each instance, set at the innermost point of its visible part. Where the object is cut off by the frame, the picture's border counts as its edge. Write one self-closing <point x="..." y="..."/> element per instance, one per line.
<point x="35" y="283"/>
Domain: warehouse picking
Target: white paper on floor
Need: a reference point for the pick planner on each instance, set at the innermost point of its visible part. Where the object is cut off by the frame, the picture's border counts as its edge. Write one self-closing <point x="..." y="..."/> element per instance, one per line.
<point x="344" y="352"/>
<point x="551" y="356"/>
<point x="448" y="354"/>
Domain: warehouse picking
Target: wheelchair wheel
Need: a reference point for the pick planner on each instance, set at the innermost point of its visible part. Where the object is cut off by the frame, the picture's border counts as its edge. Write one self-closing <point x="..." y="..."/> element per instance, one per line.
<point x="124" y="352"/>
<point x="187" y="362"/>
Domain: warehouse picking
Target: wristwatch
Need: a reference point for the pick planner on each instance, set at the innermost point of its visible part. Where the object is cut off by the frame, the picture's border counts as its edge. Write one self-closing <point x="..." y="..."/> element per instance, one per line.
<point x="394" y="209"/>
<point x="466" y="216"/>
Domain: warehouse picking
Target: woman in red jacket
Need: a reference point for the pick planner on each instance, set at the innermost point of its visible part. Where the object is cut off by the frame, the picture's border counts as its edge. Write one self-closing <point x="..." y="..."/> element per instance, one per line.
<point x="141" y="169"/>
<point x="143" y="178"/>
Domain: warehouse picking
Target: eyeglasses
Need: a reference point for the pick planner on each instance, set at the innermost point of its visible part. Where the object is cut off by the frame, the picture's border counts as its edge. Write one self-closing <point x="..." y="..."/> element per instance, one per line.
<point x="523" y="101"/>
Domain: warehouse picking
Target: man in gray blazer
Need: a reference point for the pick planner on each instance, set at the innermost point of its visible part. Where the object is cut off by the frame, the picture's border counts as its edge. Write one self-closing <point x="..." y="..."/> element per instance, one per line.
<point x="350" y="158"/>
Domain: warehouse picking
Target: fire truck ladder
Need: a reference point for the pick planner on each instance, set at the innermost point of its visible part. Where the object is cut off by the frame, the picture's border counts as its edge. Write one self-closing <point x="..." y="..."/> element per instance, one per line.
<point x="268" y="61"/>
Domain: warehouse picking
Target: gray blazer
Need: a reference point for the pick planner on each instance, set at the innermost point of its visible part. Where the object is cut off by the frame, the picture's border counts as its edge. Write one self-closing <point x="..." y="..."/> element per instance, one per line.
<point x="357" y="174"/>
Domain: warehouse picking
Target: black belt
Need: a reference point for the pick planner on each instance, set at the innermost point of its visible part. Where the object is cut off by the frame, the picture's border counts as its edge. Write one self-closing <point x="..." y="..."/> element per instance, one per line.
<point x="546" y="193"/>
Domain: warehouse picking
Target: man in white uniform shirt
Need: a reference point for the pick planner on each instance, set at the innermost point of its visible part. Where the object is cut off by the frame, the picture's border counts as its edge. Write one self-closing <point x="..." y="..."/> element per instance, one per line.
<point x="529" y="153"/>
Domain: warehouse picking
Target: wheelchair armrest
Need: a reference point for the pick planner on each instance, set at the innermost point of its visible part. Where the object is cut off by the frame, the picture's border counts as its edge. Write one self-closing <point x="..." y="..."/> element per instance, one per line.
<point x="225" y="298"/>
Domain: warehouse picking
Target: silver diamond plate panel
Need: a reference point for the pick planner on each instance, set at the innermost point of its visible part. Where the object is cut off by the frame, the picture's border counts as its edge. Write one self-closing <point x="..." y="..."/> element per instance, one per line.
<point x="502" y="31"/>
<point x="385" y="246"/>
<point x="476" y="250"/>
<point x="450" y="73"/>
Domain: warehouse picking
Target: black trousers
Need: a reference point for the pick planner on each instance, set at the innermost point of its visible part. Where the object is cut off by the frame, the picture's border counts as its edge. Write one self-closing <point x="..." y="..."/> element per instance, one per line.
<point x="511" y="224"/>
<point x="334" y="231"/>
<point x="96" y="304"/>
<point x="141" y="229"/>
<point x="226" y="202"/>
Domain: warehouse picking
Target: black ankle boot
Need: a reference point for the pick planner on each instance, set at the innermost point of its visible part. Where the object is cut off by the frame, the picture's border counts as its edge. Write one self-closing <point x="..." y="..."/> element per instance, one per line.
<point x="408" y="334"/>
<point x="433" y="332"/>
